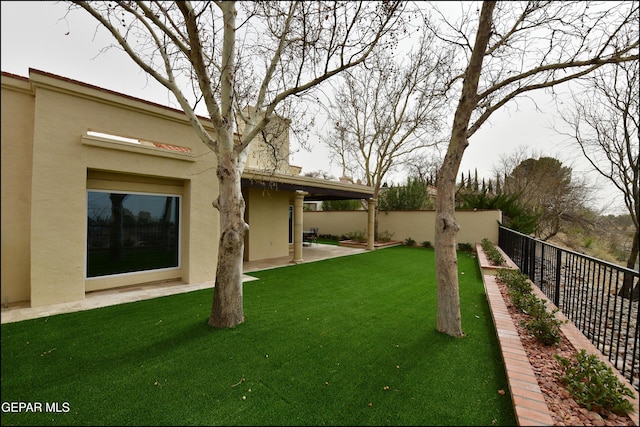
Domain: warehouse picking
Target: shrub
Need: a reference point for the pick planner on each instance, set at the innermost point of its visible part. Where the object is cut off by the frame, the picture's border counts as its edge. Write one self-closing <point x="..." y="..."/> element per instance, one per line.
<point x="465" y="247"/>
<point x="544" y="325"/>
<point x="341" y="205"/>
<point x="588" y="242"/>
<point x="385" y="236"/>
<point x="515" y="280"/>
<point x="594" y="385"/>
<point x="413" y="195"/>
<point x="493" y="254"/>
<point x="357" y="236"/>
<point x="409" y="241"/>
<point x="536" y="307"/>
<point x="427" y="244"/>
<point x="522" y="301"/>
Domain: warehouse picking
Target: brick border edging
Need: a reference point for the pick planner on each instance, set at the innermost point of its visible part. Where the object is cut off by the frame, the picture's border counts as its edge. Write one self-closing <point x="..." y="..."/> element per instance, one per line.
<point x="529" y="405"/>
<point x="485" y="264"/>
<point x="528" y="401"/>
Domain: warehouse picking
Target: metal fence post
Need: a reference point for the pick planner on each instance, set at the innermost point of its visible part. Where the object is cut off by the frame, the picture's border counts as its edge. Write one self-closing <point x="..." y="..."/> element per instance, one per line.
<point x="556" y="299"/>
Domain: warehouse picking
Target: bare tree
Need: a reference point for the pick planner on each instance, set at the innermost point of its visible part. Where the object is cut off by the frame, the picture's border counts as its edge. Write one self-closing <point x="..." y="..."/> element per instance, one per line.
<point x="425" y="166"/>
<point x="510" y="49"/>
<point x="385" y="112"/>
<point x="245" y="65"/>
<point x="604" y="122"/>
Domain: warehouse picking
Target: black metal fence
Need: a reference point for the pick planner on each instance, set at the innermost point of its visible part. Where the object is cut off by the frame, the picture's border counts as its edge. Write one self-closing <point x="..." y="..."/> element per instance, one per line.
<point x="597" y="296"/>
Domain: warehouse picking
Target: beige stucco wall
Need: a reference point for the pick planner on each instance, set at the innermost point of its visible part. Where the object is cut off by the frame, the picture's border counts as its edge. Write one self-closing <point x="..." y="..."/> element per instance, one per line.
<point x="62" y="159"/>
<point x="274" y="155"/>
<point x="16" y="152"/>
<point x="268" y="217"/>
<point x="418" y="225"/>
<point x="477" y="225"/>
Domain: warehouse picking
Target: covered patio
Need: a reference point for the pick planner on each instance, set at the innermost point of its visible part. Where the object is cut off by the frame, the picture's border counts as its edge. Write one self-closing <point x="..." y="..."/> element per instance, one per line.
<point x="315" y="252"/>
<point x="311" y="189"/>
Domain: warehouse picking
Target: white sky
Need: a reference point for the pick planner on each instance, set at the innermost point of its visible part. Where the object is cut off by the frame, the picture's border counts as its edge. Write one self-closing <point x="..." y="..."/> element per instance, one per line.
<point x="36" y="35"/>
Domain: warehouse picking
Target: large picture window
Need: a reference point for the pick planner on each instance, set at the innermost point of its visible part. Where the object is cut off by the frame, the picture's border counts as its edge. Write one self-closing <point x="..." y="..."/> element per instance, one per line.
<point x="128" y="232"/>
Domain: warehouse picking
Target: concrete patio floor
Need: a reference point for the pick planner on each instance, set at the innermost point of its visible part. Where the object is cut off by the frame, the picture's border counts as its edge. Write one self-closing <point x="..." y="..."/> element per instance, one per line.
<point x="21" y="311"/>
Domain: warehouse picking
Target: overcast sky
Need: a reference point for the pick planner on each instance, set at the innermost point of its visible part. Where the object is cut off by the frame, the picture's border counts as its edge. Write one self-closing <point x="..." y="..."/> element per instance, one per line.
<point x="37" y="35"/>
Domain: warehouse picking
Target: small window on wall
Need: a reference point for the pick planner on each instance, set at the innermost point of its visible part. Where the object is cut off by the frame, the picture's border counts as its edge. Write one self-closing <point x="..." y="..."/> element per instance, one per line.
<point x="129" y="232"/>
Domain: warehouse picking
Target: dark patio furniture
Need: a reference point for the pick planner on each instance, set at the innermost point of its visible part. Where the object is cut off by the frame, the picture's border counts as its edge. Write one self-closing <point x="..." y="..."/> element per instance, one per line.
<point x="310" y="236"/>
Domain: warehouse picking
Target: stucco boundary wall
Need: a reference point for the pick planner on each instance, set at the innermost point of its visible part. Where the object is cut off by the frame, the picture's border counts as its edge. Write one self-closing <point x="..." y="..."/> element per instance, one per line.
<point x="475" y="225"/>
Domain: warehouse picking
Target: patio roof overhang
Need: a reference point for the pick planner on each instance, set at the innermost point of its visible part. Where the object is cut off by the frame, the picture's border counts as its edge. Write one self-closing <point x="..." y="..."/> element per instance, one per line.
<point x="317" y="189"/>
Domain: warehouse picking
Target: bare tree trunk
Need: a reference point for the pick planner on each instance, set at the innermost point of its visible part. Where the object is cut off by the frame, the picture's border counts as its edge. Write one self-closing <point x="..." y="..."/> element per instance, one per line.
<point x="227" y="310"/>
<point x="449" y="321"/>
<point x="633" y="256"/>
<point x="628" y="289"/>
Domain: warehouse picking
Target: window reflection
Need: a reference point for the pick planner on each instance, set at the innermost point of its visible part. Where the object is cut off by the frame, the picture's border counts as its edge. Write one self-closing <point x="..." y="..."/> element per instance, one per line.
<point x="129" y="232"/>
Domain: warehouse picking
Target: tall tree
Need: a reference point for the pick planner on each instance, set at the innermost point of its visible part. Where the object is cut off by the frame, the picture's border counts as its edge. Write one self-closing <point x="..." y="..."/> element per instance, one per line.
<point x="341" y="205"/>
<point x="515" y="48"/>
<point x="604" y="123"/>
<point x="414" y="195"/>
<point x="245" y="65"/>
<point x="387" y="111"/>
<point x="550" y="190"/>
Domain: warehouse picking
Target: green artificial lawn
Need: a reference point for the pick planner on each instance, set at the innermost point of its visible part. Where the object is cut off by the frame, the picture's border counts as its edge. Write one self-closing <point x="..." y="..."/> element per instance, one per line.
<point x="346" y="341"/>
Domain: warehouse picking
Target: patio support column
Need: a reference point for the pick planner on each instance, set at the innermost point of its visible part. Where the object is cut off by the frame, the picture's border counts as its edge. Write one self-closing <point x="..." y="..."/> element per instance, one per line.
<point x="371" y="224"/>
<point x="297" y="226"/>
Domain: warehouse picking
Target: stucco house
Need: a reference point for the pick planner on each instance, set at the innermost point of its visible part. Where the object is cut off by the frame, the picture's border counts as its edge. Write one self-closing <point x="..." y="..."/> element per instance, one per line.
<point x="102" y="190"/>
